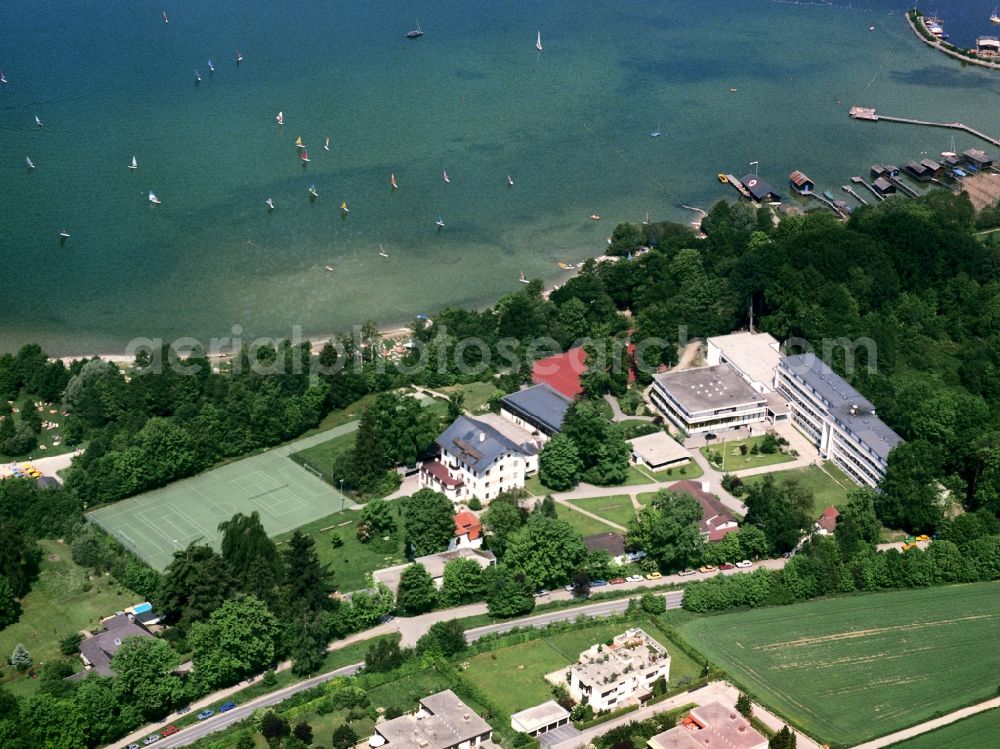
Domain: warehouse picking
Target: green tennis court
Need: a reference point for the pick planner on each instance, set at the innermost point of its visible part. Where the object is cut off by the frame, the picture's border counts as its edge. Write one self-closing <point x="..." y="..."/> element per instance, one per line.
<point x="157" y="523"/>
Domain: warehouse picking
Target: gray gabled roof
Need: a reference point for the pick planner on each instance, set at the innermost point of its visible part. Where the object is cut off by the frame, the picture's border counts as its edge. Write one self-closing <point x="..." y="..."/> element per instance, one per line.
<point x="100" y="649"/>
<point x="540" y="403"/>
<point x="478" y="443"/>
<point x="849" y="407"/>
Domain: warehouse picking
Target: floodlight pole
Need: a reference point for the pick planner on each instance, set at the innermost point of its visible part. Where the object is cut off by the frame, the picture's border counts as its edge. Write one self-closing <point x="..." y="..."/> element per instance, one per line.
<point x="341" y="495"/>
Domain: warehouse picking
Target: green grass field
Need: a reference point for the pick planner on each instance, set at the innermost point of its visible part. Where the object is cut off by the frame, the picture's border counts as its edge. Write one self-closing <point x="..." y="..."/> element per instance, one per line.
<point x="323" y="456"/>
<point x="61" y="602"/>
<point x="981" y="731"/>
<point x="850" y="669"/>
<point x="585" y="526"/>
<point x="514" y="676"/>
<point x="733" y="461"/>
<point x="477" y="395"/>
<point x="351" y="562"/>
<point x="829" y="488"/>
<point x="617" y="509"/>
<point x="285" y="494"/>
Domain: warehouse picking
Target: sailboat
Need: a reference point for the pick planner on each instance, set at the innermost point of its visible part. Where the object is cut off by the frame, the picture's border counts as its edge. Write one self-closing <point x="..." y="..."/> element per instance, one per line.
<point x="299" y="143"/>
<point x="326" y="145"/>
<point x="945" y="154"/>
<point x="538" y="42"/>
<point x="211" y="67"/>
<point x="280" y="118"/>
<point x="416" y="33"/>
<point x="312" y="192"/>
<point x="646" y="222"/>
<point x="153" y="199"/>
<point x="343" y="206"/>
<point x="994" y="17"/>
<point x="29" y="162"/>
<point x="522" y="278"/>
<point x="444" y="174"/>
<point x="165" y="19"/>
<point x="381" y="251"/>
<point x="304" y="155"/>
<point x="3" y="77"/>
<point x="239" y="57"/>
<point x="134" y="164"/>
<point x="64" y="234"/>
<point x="270" y="204"/>
<point x="656" y="133"/>
<point x="38" y="121"/>
<point x="197" y="76"/>
<point x="329" y="268"/>
<point x="440" y="221"/>
<point x="392" y="181"/>
<point x="510" y="181"/>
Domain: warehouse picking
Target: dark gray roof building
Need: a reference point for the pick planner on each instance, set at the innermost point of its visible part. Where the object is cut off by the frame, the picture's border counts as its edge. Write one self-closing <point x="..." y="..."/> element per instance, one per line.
<point x="98" y="650"/>
<point x="759" y="189"/>
<point x="540" y="408"/>
<point x="478" y="443"/>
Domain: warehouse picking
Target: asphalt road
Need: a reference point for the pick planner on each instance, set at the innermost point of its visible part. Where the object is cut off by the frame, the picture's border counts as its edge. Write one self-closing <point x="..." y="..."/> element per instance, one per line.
<point x="217" y="722"/>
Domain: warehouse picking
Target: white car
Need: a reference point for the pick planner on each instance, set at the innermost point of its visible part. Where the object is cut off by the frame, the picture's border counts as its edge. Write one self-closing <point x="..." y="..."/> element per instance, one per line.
<point x="634" y="579"/>
<point x="745" y="563"/>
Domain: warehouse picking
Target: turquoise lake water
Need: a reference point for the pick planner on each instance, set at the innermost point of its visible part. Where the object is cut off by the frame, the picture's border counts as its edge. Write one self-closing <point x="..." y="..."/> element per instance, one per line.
<point x="571" y="125"/>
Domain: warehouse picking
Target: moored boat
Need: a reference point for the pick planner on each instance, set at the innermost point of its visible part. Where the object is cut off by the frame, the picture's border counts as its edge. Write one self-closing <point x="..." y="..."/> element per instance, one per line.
<point x="134" y="164"/>
<point x="522" y="278"/>
<point x="280" y="118"/>
<point x="153" y="199"/>
<point x="392" y="181"/>
<point x="595" y="216"/>
<point x="995" y="17"/>
<point x="416" y="33"/>
<point x="29" y="162"/>
<point x="64" y="234"/>
<point x="723" y="178"/>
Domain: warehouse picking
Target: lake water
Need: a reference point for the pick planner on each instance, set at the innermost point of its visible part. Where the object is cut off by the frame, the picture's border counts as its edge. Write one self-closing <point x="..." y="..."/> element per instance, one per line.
<point x="571" y="125"/>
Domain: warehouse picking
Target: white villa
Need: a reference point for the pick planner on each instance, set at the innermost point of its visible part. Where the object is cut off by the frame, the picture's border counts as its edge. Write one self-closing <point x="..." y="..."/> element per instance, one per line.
<point x="610" y="676"/>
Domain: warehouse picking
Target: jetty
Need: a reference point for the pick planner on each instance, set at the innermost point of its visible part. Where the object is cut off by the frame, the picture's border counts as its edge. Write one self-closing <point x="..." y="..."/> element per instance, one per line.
<point x="904" y="187"/>
<point x="872" y="190"/>
<point x="738" y="185"/>
<point x="869" y="114"/>
<point x="850" y="191"/>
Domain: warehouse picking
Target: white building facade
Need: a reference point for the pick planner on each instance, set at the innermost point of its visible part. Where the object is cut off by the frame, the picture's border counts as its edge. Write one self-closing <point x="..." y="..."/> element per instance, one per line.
<point x="610" y="676"/>
<point x="707" y="399"/>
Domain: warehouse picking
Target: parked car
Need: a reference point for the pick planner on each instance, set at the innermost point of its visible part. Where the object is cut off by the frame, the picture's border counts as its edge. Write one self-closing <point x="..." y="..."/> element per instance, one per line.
<point x="744" y="564"/>
<point x="653" y="576"/>
<point x="569" y="588"/>
<point x="709" y="436"/>
<point x="132" y="746"/>
<point x="542" y="593"/>
<point x="634" y="579"/>
<point x="205" y="714"/>
<point x="227" y="706"/>
<point x="152" y="738"/>
<point x="686" y="572"/>
<point x="170" y="730"/>
<point x="616" y="580"/>
<point x="707" y="568"/>
<point x="598" y="583"/>
<point x="923" y="537"/>
<point x="727" y="566"/>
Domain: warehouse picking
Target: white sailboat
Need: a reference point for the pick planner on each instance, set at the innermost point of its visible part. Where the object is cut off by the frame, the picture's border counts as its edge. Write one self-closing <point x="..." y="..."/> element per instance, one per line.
<point x="197" y="76"/>
<point x="646" y="222"/>
<point x="165" y="19"/>
<point x="211" y="67"/>
<point x="416" y="33"/>
<point x="239" y="57"/>
<point x="270" y="204"/>
<point x="995" y="17"/>
<point x="3" y="77"/>
<point x="538" y="42"/>
<point x="444" y="174"/>
<point x="522" y="278"/>
<point x="134" y="164"/>
<point x="38" y="121"/>
<point x="64" y="234"/>
<point x="280" y="118"/>
<point x="440" y="221"/>
<point x="29" y="162"/>
<point x="510" y="181"/>
<point x="656" y="133"/>
<point x="153" y="199"/>
<point x="326" y="145"/>
<point x="381" y="251"/>
<point x="312" y="192"/>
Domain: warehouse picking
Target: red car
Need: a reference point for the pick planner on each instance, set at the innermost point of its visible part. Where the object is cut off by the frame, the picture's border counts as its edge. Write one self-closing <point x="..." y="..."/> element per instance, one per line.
<point x="616" y="580"/>
<point x="727" y="566"/>
<point x="169" y="730"/>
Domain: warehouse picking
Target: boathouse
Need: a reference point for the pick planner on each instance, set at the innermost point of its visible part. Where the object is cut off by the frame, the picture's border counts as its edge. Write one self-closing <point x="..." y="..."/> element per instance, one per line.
<point x="759" y="189"/>
<point x="884" y="187"/>
<point x="880" y="171"/>
<point x="977" y="158"/>
<point x="933" y="167"/>
<point x="801" y="183"/>
<point x="951" y="161"/>
<point x="918" y="171"/>
<point x="988" y="46"/>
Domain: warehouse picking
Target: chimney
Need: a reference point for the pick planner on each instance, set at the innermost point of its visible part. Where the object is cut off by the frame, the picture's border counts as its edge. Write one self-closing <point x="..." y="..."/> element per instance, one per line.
<point x="706" y="486"/>
<point x="466" y="717"/>
<point x="482" y="436"/>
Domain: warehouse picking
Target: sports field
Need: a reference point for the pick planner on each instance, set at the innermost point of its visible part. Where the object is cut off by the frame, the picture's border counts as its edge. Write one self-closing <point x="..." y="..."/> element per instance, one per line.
<point x="847" y="670"/>
<point x="285" y="494"/>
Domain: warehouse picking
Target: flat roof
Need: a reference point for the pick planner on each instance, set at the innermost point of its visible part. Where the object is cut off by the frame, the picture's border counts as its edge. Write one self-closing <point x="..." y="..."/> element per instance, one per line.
<point x="659" y="448"/>
<point x="542" y="403"/>
<point x="708" y="388"/>
<point x="754" y="354"/>
<point x="846" y="405"/>
<point x="538" y="716"/>
<point x="449" y="723"/>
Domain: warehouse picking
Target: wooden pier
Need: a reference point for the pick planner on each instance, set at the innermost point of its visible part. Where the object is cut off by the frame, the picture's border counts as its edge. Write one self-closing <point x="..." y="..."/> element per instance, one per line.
<point x="850" y="191"/>
<point x="869" y="114"/>
<point x="872" y="190"/>
<point x="826" y="201"/>
<point x="904" y="187"/>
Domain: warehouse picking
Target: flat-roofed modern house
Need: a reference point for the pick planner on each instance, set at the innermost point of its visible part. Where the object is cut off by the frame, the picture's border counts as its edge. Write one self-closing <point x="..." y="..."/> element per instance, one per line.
<point x="539" y="409"/>
<point x="754" y="357"/>
<point x="434" y="564"/>
<point x="442" y="721"/>
<point x="481" y="458"/>
<point x="609" y="676"/>
<point x="658" y="451"/>
<point x="540" y="719"/>
<point x="711" y="726"/>
<point x="839" y="420"/>
<point x="705" y="399"/>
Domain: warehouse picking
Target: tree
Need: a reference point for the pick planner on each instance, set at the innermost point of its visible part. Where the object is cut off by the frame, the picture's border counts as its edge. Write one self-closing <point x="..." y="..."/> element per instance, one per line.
<point x="668" y="531"/>
<point x="383" y="655"/>
<point x="506" y="596"/>
<point x="237" y="641"/>
<point x="653" y="603"/>
<point x="20" y="659"/>
<point x="545" y="552"/>
<point x="782" y="512"/>
<point x="559" y="464"/>
<point x="20" y="557"/>
<point x="10" y="607"/>
<point x="245" y="741"/>
<point x="308" y="637"/>
<point x="51" y="722"/>
<point x="783" y="739"/>
<point x="744" y="706"/>
<point x="858" y="525"/>
<point x="753" y="542"/>
<point x="273" y="727"/>
<point x="344" y="737"/>
<point x="462" y="582"/>
<point x="416" y="594"/>
<point x="443" y="640"/>
<point x="378" y="519"/>
<point x="143" y="668"/>
<point x="196" y="582"/>
<point x="456" y="405"/>
<point x="428" y="522"/>
<point x="581" y="584"/>
<point x="308" y="583"/>
<point x="251" y="555"/>
<point x="909" y="496"/>
<point x="547" y="507"/>
<point x="502" y="518"/>
<point x="303" y="732"/>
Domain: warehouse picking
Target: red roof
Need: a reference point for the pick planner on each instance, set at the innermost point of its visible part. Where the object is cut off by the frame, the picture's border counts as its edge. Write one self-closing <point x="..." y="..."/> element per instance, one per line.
<point x="467" y="523"/>
<point x="561" y="372"/>
<point x="713" y="513"/>
<point x="828" y="520"/>
<point x="438" y="471"/>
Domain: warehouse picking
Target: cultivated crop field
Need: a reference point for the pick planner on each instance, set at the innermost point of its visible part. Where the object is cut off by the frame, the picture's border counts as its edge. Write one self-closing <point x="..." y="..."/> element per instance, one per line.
<point x="849" y="669"/>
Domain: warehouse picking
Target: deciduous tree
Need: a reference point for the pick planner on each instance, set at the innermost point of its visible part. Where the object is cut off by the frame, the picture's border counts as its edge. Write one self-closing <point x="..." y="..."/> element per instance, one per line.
<point x="416" y="594"/>
<point x="237" y="641"/>
<point x="545" y="552"/>
<point x="429" y="522"/>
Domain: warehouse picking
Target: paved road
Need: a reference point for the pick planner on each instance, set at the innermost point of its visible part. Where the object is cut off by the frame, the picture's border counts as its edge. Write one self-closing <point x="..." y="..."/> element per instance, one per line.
<point x="930" y="725"/>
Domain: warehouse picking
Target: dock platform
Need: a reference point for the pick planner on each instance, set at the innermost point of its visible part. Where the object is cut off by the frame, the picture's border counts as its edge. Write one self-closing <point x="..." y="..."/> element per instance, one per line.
<point x="871" y="189"/>
<point x="869" y="114"/>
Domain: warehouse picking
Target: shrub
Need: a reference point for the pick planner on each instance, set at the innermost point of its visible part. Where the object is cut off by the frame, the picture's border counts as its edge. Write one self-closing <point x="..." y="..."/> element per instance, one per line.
<point x="68" y="645"/>
<point x="475" y="504"/>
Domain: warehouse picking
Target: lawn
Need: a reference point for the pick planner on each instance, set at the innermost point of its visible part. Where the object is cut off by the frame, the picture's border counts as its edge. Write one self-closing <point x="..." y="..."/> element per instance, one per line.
<point x="323" y="457"/>
<point x="734" y="461"/>
<point x="477" y="395"/>
<point x="61" y="601"/>
<point x="351" y="562"/>
<point x="829" y="488"/>
<point x="514" y="676"/>
<point x="51" y="413"/>
<point x="977" y="732"/>
<point x="585" y="526"/>
<point x="617" y="509"/>
<point x="887" y="660"/>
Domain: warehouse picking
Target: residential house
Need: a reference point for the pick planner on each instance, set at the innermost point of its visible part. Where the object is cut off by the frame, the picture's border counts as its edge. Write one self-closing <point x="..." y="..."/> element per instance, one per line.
<point x="716" y="521"/>
<point x="442" y="721"/>
<point x="827" y="522"/>
<point x="540" y="718"/>
<point x="97" y="651"/>
<point x="622" y="673"/>
<point x="468" y="532"/>
<point x="711" y="726"/>
<point x="434" y="564"/>
<point x="614" y="544"/>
